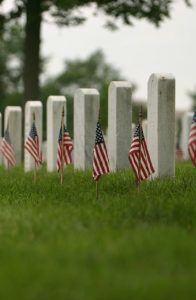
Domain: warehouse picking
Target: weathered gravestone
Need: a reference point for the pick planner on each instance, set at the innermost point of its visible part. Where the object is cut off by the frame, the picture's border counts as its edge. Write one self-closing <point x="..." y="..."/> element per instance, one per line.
<point x="13" y="121"/>
<point x="145" y="128"/>
<point x="161" y="123"/>
<point x="54" y="115"/>
<point x="31" y="108"/>
<point x="186" y="125"/>
<point x="119" y="124"/>
<point x="86" y="112"/>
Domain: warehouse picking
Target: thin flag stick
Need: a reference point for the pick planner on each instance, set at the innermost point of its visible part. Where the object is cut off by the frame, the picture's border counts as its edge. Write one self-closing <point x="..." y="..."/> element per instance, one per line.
<point x="62" y="152"/>
<point x="96" y="189"/>
<point x="140" y="138"/>
<point x="35" y="169"/>
<point x="35" y="173"/>
<point x="8" y="163"/>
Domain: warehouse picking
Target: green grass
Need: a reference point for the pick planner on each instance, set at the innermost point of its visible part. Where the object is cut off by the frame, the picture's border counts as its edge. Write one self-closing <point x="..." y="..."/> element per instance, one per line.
<point x="58" y="242"/>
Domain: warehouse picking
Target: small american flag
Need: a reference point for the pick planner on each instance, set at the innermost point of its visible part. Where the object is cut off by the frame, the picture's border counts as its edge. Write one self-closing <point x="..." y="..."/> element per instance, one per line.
<point x="139" y="157"/>
<point x="32" y="145"/>
<point x="67" y="149"/>
<point x="7" y="149"/>
<point x="192" y="140"/>
<point x="100" y="156"/>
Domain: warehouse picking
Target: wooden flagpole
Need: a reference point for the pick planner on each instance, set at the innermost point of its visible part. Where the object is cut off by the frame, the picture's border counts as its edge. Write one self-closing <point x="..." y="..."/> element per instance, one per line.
<point x="140" y="138"/>
<point x="8" y="163"/>
<point x="35" y="167"/>
<point x="96" y="189"/>
<point x="62" y="148"/>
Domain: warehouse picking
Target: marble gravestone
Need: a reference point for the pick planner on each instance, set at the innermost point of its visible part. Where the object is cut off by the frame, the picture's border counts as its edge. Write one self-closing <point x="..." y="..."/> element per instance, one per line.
<point x="13" y="121"/>
<point x="55" y="105"/>
<point x="161" y="123"/>
<point x="145" y="128"/>
<point x="187" y="119"/>
<point x="119" y="124"/>
<point x="86" y="113"/>
<point x="32" y="107"/>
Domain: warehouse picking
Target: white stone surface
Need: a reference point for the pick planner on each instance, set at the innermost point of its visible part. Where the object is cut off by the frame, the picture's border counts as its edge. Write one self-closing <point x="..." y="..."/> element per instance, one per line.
<point x="119" y="124"/>
<point x="1" y="158"/>
<point x="145" y="128"/>
<point x="187" y="119"/>
<point x="32" y="107"/>
<point x="161" y="123"/>
<point x="55" y="105"/>
<point x="13" y="120"/>
<point x="86" y="111"/>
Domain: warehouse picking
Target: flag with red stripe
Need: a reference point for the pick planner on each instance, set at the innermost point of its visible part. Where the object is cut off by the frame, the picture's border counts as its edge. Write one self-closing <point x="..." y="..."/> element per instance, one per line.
<point x="192" y="141"/>
<point x="32" y="145"/>
<point x="139" y="157"/>
<point x="100" y="156"/>
<point x="64" y="151"/>
<point x="7" y="149"/>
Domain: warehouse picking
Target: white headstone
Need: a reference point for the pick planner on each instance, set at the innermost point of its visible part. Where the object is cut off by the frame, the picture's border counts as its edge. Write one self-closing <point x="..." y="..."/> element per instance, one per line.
<point x="186" y="125"/>
<point x="161" y="123"/>
<point x="13" y="120"/>
<point x="1" y="158"/>
<point x="145" y="128"/>
<point x="32" y="107"/>
<point x="119" y="124"/>
<point x="86" y="112"/>
<point x="54" y="113"/>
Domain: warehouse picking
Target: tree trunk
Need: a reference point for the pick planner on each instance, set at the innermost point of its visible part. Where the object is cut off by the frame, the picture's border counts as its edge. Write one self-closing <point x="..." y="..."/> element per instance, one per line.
<point x="31" y="50"/>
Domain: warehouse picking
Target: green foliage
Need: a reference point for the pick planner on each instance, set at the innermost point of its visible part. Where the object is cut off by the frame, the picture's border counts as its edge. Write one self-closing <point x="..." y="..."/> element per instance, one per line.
<point x="11" y="57"/>
<point x="58" y="242"/>
<point x="92" y="72"/>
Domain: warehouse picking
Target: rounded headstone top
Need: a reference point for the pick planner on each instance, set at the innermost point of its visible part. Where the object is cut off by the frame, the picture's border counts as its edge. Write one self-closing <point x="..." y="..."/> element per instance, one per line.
<point x="36" y="103"/>
<point x="161" y="76"/>
<point x="84" y="91"/>
<point x="56" y="98"/>
<point x="121" y="84"/>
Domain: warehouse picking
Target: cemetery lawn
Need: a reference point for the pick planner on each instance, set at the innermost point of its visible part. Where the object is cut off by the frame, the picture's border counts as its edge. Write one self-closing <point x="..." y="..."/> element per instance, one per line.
<point x="58" y="242"/>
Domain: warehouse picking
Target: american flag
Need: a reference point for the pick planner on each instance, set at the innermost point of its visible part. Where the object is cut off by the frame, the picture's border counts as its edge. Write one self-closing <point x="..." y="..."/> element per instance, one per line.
<point x="139" y="157"/>
<point x="192" y="140"/>
<point x="100" y="156"/>
<point x="32" y="145"/>
<point x="67" y="149"/>
<point x="7" y="149"/>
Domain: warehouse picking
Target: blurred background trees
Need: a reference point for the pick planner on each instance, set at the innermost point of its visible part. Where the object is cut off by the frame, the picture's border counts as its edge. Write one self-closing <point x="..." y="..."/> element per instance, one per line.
<point x="20" y="61"/>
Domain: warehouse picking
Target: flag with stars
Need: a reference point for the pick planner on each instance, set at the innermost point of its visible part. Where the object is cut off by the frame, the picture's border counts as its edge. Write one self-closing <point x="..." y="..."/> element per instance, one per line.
<point x="139" y="157"/>
<point x="192" y="141"/>
<point x="32" y="145"/>
<point x="7" y="149"/>
<point x="64" y="151"/>
<point x="100" y="156"/>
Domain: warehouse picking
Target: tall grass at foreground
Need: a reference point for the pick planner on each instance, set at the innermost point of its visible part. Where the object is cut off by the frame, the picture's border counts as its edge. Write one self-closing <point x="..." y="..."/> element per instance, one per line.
<point x="59" y="242"/>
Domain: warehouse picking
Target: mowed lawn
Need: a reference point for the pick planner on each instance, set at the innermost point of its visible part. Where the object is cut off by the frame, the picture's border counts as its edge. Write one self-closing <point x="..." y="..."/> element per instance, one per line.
<point x="59" y="242"/>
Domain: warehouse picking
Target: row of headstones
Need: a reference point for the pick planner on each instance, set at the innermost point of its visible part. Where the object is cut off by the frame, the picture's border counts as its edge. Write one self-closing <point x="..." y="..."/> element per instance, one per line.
<point x="160" y="131"/>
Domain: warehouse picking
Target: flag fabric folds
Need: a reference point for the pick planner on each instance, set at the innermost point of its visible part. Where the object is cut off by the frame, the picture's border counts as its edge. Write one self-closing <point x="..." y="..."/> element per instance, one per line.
<point x="100" y="156"/>
<point x="32" y="145"/>
<point x="139" y="157"/>
<point x="7" y="149"/>
<point x="64" y="151"/>
<point x="192" y="141"/>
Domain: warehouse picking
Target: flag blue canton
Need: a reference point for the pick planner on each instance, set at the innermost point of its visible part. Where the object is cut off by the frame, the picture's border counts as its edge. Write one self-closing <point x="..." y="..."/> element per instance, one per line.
<point x="194" y="117"/>
<point x="139" y="132"/>
<point x="7" y="137"/>
<point x="33" y="131"/>
<point x="99" y="136"/>
<point x="60" y="133"/>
